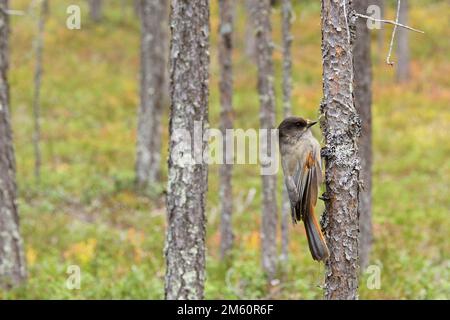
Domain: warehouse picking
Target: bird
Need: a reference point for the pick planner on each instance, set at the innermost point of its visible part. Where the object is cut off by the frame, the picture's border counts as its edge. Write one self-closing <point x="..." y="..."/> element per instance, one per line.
<point x="302" y="168"/>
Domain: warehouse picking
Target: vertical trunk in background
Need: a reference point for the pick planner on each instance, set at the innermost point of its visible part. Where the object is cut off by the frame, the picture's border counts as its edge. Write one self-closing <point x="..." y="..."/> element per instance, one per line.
<point x="39" y="43"/>
<point x="250" y="42"/>
<point x="341" y="127"/>
<point x="261" y="19"/>
<point x="287" y="89"/>
<point x="381" y="32"/>
<point x="153" y="78"/>
<point x="188" y="181"/>
<point x="95" y="7"/>
<point x="226" y="8"/>
<point x="363" y="104"/>
<point x="46" y="8"/>
<point x="403" y="71"/>
<point x="137" y="7"/>
<point x="12" y="261"/>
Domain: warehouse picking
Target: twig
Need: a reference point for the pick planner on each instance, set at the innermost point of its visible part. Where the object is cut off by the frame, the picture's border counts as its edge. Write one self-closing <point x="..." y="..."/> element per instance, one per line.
<point x="388" y="59"/>
<point x="14" y="12"/>
<point x="396" y="24"/>
<point x="388" y="22"/>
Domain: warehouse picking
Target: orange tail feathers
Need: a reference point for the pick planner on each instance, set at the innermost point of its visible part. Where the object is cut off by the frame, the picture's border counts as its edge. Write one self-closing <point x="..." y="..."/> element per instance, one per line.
<point x="316" y="240"/>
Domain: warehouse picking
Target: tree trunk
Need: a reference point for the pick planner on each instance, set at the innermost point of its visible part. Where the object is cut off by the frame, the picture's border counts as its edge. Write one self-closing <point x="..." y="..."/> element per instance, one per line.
<point x="226" y="27"/>
<point x="341" y="127"/>
<point x="403" y="71"/>
<point x="363" y="104"/>
<point x="188" y="181"/>
<point x="287" y="89"/>
<point x="37" y="89"/>
<point x="153" y="78"/>
<point x="137" y="7"/>
<point x="261" y="18"/>
<point x="95" y="7"/>
<point x="381" y="33"/>
<point x="250" y="42"/>
<point x="12" y="261"/>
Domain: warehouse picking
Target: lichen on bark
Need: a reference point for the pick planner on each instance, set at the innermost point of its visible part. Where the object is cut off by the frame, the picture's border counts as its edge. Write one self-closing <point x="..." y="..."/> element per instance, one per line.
<point x="341" y="128"/>
<point x="187" y="183"/>
<point x="12" y="260"/>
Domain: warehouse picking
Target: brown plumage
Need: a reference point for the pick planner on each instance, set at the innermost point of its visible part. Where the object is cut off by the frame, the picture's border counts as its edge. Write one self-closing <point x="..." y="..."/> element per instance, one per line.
<point x="300" y="158"/>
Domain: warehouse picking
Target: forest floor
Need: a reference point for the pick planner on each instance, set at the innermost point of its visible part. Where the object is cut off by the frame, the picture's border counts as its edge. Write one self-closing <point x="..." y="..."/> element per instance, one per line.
<point x="86" y="212"/>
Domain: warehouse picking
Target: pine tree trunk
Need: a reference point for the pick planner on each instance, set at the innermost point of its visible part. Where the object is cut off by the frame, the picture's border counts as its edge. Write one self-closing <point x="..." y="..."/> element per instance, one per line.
<point x="381" y="32"/>
<point x="153" y="78"/>
<point x="363" y="104"/>
<point x="250" y="41"/>
<point x="287" y="89"/>
<point x="226" y="27"/>
<point x="95" y="7"/>
<point x="403" y="72"/>
<point x="137" y="7"/>
<point x="12" y="260"/>
<point x="341" y="127"/>
<point x="261" y="18"/>
<point x="188" y="181"/>
<point x="37" y="90"/>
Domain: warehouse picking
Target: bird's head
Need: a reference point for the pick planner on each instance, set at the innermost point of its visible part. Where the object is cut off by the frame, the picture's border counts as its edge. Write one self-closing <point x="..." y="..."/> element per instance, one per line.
<point x="294" y="127"/>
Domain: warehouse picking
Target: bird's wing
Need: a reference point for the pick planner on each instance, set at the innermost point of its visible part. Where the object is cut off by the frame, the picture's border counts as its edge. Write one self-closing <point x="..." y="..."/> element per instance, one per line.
<point x="303" y="186"/>
<point x="316" y="151"/>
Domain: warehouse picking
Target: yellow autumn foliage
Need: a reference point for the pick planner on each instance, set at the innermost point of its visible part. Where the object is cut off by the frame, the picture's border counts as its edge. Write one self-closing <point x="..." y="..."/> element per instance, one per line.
<point x="83" y="251"/>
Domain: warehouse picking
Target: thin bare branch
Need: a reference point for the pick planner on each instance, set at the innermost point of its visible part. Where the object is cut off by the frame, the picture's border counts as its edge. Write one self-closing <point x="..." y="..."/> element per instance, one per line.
<point x="395" y="23"/>
<point x="388" y="58"/>
<point x="389" y="22"/>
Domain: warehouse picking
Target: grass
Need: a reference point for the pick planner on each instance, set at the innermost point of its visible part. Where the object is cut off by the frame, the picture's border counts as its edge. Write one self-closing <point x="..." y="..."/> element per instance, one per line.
<point x="86" y="212"/>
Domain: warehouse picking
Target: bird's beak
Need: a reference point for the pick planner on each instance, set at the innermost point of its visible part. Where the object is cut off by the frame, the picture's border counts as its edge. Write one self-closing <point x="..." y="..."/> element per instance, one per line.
<point x="311" y="123"/>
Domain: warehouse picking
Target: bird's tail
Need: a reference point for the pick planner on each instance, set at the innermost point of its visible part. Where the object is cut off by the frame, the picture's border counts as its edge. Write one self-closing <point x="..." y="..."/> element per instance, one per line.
<point x="316" y="240"/>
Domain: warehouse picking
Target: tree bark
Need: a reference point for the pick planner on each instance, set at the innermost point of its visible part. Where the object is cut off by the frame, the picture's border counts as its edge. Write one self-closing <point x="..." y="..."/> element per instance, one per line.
<point x="137" y="7"/>
<point x="363" y="104"/>
<point x="153" y="78"/>
<point x="287" y="90"/>
<point x="39" y="43"/>
<point x="95" y="7"/>
<point x="226" y="8"/>
<point x="261" y="18"/>
<point x="403" y="71"/>
<point x="187" y="181"/>
<point x="381" y="33"/>
<point x="250" y="42"/>
<point x="341" y="127"/>
<point x="12" y="260"/>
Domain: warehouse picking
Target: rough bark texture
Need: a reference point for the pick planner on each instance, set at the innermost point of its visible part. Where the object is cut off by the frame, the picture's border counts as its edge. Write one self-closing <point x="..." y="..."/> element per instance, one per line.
<point x="403" y="71"/>
<point x="226" y="8"/>
<point x="287" y="89"/>
<point x="187" y="185"/>
<point x="341" y="127"/>
<point x="362" y="64"/>
<point x="153" y="78"/>
<point x="261" y="19"/>
<point x="37" y="89"/>
<point x="95" y="7"/>
<point x="12" y="261"/>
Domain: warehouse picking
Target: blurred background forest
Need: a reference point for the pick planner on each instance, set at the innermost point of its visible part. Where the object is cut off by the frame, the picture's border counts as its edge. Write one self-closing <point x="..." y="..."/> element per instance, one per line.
<point x="86" y="210"/>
